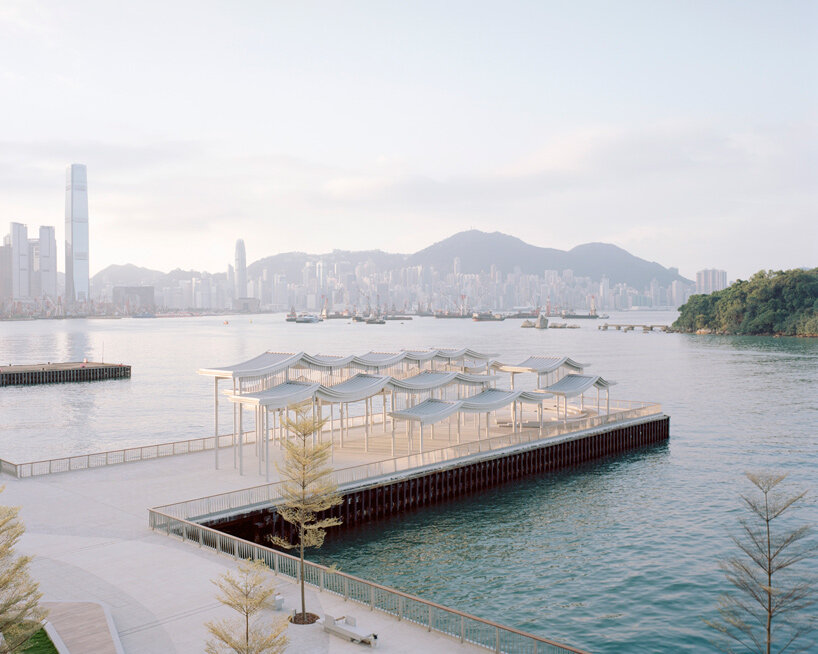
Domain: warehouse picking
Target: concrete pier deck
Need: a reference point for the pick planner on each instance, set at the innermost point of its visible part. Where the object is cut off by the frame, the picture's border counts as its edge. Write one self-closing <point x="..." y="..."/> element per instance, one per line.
<point x="87" y="531"/>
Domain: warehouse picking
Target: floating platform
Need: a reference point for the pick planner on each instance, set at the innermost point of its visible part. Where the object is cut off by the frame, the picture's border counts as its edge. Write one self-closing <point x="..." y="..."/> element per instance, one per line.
<point x="60" y="373"/>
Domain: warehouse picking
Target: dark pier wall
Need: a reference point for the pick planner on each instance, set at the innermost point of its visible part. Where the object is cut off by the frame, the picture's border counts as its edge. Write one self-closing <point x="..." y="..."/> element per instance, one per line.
<point x="35" y="375"/>
<point x="381" y="501"/>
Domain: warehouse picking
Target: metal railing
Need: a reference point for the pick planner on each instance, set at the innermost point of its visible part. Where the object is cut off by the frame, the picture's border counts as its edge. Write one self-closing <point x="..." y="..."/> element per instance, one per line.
<point x="115" y="457"/>
<point x="620" y="410"/>
<point x="433" y="617"/>
<point x="344" y="477"/>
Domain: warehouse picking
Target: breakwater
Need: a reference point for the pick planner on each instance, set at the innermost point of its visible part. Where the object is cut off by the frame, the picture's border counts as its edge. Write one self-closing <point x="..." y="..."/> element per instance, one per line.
<point x="376" y="500"/>
<point x="60" y="373"/>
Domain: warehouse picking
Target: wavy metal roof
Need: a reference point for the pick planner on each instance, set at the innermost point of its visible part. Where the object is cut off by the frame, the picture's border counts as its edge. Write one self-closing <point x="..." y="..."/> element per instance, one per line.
<point x="540" y="365"/>
<point x="488" y="400"/>
<point x="355" y="389"/>
<point x="425" y="381"/>
<point x="572" y="385"/>
<point x="264" y="363"/>
<point x="428" y="411"/>
<point x="280" y="396"/>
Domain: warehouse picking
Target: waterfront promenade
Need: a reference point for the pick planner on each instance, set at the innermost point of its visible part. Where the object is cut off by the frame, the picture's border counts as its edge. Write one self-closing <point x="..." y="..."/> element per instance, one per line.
<point x="87" y="531"/>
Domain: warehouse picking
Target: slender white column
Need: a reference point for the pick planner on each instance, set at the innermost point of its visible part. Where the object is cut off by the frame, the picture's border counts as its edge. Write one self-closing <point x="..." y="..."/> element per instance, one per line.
<point x="259" y="432"/>
<point x="216" y="419"/>
<point x="367" y="416"/>
<point x="458" y="427"/>
<point x="383" y="409"/>
<point x="235" y="412"/>
<point x="266" y="446"/>
<point x="241" y="442"/>
<point x="488" y="418"/>
<point x="421" y="438"/>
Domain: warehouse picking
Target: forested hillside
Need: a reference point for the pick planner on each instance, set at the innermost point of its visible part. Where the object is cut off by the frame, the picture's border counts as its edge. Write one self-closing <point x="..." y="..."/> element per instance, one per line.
<point x="772" y="303"/>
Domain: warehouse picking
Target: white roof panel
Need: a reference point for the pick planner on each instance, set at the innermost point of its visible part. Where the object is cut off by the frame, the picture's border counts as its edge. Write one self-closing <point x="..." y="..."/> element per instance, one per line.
<point x="428" y="411"/>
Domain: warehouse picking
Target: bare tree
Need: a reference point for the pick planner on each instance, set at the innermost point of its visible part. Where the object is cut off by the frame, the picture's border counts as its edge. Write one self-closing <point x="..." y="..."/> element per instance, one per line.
<point x="20" y="613"/>
<point x="248" y="593"/>
<point x="768" y="614"/>
<point x="307" y="488"/>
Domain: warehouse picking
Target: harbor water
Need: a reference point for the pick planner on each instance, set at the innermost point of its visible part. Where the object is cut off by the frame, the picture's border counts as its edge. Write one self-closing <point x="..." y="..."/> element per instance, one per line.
<point x="619" y="555"/>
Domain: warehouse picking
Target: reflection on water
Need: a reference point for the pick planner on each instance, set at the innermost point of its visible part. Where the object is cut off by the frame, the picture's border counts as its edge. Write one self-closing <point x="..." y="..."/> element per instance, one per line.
<point x="616" y="556"/>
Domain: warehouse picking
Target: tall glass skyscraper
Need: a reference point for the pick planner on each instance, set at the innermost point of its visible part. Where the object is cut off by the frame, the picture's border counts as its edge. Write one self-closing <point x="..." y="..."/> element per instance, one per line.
<point x="241" y="269"/>
<point x="77" y="281"/>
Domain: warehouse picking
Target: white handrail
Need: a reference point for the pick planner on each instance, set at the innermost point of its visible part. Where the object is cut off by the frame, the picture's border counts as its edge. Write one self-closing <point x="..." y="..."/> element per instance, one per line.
<point x="434" y="617"/>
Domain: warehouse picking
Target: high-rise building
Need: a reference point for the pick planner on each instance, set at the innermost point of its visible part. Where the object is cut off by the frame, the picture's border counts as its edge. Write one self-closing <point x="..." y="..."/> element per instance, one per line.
<point x="710" y="280"/>
<point x="77" y="280"/>
<point x="20" y="281"/>
<point x="43" y="264"/>
<point x="241" y="269"/>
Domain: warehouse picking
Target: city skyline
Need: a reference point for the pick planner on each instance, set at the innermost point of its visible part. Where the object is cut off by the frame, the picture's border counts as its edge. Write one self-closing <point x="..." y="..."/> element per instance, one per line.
<point x="618" y="129"/>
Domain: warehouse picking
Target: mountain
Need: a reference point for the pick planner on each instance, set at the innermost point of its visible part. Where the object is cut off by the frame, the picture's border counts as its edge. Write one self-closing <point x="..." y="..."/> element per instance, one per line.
<point x="291" y="264"/>
<point x="478" y="251"/>
<point x="131" y="275"/>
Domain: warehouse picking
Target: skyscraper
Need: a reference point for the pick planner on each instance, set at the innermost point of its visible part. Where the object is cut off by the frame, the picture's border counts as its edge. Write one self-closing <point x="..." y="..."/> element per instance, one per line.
<point x="45" y="267"/>
<point x="18" y="240"/>
<point x="241" y="269"/>
<point x="76" y="235"/>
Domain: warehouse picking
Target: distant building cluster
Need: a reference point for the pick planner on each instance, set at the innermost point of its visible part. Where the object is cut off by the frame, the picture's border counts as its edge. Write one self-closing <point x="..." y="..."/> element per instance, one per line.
<point x="710" y="280"/>
<point x="29" y="282"/>
<point x="363" y="287"/>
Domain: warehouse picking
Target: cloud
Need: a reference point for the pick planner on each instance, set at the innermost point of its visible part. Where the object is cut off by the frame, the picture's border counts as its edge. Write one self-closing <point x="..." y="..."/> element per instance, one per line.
<point x="679" y="193"/>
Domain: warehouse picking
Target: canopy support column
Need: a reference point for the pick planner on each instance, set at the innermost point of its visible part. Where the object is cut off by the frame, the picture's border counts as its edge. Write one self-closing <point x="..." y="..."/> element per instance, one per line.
<point x="367" y="418"/>
<point x="393" y="434"/>
<point x="488" y="418"/>
<point x="235" y="427"/>
<point x="608" y="401"/>
<point x="458" y="427"/>
<point x="421" y="438"/>
<point x="266" y="445"/>
<point x="241" y="442"/>
<point x="216" y="419"/>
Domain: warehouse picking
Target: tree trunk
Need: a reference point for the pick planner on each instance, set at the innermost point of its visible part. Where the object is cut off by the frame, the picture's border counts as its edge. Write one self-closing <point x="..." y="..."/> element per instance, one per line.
<point x="301" y="549"/>
<point x="769" y="575"/>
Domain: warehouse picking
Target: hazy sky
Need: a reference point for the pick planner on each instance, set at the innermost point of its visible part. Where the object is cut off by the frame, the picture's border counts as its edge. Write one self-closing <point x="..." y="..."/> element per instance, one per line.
<point x="683" y="131"/>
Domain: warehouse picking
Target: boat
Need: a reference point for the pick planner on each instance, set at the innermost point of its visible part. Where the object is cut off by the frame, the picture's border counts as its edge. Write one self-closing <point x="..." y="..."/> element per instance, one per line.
<point x="542" y="322"/>
<point x="307" y="318"/>
<point x="292" y="316"/>
<point x="450" y="314"/>
<point x="527" y="324"/>
<point x="579" y="316"/>
<point x="487" y="316"/>
<point x="374" y="320"/>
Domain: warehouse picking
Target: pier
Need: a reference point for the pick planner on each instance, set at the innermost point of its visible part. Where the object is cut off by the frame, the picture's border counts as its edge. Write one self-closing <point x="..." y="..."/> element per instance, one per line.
<point x="373" y="500"/>
<point x="60" y="373"/>
<point x="629" y="328"/>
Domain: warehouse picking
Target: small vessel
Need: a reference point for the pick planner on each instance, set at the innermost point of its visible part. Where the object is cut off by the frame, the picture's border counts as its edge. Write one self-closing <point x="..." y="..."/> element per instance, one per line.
<point x="292" y="316"/>
<point x="527" y="324"/>
<point x="374" y="320"/>
<point x="307" y="318"/>
<point x="542" y="322"/>
<point x="487" y="316"/>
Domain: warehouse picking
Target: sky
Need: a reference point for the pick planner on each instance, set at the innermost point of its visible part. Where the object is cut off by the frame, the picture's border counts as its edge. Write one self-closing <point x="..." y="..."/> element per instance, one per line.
<point x="685" y="132"/>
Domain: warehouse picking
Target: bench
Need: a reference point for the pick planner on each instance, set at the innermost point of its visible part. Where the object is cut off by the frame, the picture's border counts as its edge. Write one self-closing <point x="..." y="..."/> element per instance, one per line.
<point x="347" y="628"/>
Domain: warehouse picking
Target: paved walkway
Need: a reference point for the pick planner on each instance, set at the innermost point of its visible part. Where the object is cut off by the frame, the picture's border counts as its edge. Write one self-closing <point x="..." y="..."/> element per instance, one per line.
<point x="83" y="627"/>
<point x="88" y="533"/>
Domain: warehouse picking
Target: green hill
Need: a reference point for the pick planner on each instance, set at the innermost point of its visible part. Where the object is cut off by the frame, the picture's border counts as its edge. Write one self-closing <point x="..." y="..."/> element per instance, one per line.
<point x="780" y="303"/>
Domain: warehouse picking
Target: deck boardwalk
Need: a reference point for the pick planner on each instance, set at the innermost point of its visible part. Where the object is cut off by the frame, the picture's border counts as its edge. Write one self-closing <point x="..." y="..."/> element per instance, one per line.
<point x="83" y="627"/>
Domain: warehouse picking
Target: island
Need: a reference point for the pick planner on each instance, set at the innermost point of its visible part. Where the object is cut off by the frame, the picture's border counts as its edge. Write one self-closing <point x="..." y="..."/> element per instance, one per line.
<point x="770" y="303"/>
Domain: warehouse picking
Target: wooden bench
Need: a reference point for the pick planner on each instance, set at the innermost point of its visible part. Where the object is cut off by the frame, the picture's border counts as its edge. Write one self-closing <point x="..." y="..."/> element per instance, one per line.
<point x="346" y="627"/>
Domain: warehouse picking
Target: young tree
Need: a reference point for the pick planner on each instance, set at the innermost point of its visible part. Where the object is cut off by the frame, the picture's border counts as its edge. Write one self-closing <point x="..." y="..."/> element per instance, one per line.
<point x="307" y="488"/>
<point x="20" y="613"/>
<point x="768" y="613"/>
<point x="247" y="593"/>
